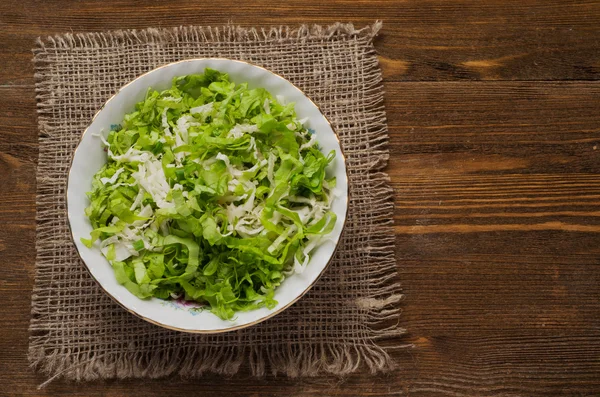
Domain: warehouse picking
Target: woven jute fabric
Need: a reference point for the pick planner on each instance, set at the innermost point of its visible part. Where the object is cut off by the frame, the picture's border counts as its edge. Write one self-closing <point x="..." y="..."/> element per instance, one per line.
<point x="79" y="333"/>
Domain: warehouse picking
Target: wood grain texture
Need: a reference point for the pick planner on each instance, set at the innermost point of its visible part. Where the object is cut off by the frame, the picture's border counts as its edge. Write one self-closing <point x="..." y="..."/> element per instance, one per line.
<point x="422" y="39"/>
<point x="495" y="159"/>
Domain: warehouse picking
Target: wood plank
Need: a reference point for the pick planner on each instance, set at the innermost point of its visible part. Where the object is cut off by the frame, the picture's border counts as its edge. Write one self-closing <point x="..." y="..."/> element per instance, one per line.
<point x="475" y="157"/>
<point x="497" y="195"/>
<point x="421" y="40"/>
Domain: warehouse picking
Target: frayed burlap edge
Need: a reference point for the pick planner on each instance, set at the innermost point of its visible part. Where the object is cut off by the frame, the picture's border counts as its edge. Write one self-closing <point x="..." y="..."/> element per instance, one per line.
<point x="292" y="360"/>
<point x="201" y="34"/>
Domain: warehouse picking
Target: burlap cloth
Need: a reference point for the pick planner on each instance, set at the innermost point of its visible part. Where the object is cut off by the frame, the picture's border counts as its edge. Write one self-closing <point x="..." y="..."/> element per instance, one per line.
<point x="79" y="333"/>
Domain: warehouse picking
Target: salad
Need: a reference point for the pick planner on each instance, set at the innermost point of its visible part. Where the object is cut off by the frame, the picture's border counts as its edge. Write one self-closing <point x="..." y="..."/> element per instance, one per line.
<point x="213" y="193"/>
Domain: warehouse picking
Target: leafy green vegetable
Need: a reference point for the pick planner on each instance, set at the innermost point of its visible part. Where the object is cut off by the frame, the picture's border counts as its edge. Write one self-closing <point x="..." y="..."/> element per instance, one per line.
<point x="213" y="193"/>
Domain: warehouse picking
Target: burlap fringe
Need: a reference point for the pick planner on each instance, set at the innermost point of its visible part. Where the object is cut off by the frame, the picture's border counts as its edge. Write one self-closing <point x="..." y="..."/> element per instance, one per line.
<point x="225" y="34"/>
<point x="381" y="306"/>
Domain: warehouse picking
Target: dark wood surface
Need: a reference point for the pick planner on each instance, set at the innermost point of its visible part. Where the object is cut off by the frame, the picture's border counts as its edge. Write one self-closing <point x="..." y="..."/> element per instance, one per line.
<point x="493" y="111"/>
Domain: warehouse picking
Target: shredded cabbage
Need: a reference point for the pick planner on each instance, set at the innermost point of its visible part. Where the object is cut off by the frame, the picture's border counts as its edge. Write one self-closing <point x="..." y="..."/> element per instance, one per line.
<point x="212" y="192"/>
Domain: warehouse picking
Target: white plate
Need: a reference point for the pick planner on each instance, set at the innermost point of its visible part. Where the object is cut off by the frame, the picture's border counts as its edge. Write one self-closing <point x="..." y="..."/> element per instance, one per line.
<point x="90" y="156"/>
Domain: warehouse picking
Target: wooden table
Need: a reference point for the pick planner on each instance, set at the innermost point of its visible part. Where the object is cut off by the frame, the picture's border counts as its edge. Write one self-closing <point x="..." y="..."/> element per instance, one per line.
<point x="493" y="111"/>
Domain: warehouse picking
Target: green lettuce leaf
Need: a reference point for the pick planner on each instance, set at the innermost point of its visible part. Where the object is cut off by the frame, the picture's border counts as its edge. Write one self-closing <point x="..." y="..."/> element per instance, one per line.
<point x="212" y="192"/>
